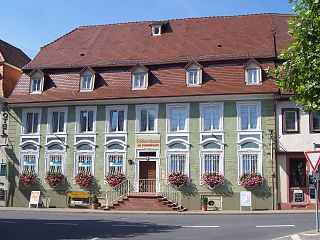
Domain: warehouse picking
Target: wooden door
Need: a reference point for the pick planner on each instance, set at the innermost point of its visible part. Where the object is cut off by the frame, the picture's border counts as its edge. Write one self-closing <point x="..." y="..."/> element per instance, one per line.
<point x="147" y="176"/>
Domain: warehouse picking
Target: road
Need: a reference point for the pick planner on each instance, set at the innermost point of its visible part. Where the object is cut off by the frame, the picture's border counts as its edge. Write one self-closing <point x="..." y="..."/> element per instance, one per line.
<point x="16" y="225"/>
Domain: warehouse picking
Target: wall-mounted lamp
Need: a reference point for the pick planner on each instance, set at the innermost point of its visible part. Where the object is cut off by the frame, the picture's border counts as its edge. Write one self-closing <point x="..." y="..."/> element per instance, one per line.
<point x="130" y="161"/>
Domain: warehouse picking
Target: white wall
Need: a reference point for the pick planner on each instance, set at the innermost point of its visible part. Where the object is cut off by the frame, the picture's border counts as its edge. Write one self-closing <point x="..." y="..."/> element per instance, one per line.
<point x="295" y="142"/>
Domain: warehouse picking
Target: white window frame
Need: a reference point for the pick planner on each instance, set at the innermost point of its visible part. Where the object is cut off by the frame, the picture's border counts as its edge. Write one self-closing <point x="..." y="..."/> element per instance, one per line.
<point x="36" y="76"/>
<point x="110" y="108"/>
<point x="76" y="160"/>
<point x="169" y="108"/>
<point x="249" y="151"/>
<point x="50" y="118"/>
<point x="216" y="105"/>
<point x="86" y="108"/>
<point x="147" y="107"/>
<point x="253" y="67"/>
<point x="55" y="152"/>
<point x="177" y="151"/>
<point x="29" y="152"/>
<point x="107" y="163"/>
<point x="211" y="151"/>
<point x="248" y="104"/>
<point x="85" y="76"/>
<point x="153" y="28"/>
<point x="25" y="111"/>
<point x="194" y="68"/>
<point x="139" y="72"/>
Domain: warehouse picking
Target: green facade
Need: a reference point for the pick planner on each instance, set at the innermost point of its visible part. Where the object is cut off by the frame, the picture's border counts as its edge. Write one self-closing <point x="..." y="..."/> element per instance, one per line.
<point x="230" y="191"/>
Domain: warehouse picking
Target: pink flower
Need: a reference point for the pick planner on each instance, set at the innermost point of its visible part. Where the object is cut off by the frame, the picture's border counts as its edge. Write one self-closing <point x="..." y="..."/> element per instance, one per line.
<point x="113" y="179"/>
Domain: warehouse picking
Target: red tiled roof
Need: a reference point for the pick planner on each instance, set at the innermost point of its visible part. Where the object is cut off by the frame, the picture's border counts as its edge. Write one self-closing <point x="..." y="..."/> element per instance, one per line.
<point x="131" y="43"/>
<point x="13" y="55"/>
<point x="241" y="37"/>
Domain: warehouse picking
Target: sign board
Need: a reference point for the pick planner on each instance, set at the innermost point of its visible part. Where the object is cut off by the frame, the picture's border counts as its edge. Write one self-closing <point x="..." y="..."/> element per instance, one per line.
<point x="298" y="196"/>
<point x="115" y="164"/>
<point x="34" y="198"/>
<point x="312" y="193"/>
<point x="78" y="194"/>
<point x="245" y="199"/>
<point x="313" y="158"/>
<point x="147" y="141"/>
<point x="2" y="194"/>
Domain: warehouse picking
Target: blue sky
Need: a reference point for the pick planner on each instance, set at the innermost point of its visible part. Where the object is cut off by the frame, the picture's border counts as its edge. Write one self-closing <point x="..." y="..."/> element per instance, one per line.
<point x="31" y="24"/>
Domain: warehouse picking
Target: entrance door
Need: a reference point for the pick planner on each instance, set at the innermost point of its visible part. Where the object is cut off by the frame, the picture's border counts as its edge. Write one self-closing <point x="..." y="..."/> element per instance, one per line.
<point x="298" y="180"/>
<point x="147" y="176"/>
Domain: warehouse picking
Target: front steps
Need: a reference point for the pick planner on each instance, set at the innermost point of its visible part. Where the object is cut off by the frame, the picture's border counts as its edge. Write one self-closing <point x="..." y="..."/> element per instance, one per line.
<point x="144" y="202"/>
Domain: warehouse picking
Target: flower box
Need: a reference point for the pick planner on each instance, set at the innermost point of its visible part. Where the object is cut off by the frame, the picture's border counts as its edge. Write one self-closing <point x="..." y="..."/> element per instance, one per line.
<point x="212" y="179"/>
<point x="250" y="180"/>
<point x="54" y="178"/>
<point x="114" y="179"/>
<point x="178" y="179"/>
<point x="83" y="179"/>
<point x="28" y="178"/>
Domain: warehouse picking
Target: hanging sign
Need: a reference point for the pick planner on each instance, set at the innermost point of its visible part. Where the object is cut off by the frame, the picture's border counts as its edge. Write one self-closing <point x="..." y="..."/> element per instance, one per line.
<point x="147" y="141"/>
<point x="245" y="199"/>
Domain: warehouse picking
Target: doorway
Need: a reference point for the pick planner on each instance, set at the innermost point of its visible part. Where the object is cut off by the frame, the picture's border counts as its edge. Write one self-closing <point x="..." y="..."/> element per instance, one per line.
<point x="147" y="176"/>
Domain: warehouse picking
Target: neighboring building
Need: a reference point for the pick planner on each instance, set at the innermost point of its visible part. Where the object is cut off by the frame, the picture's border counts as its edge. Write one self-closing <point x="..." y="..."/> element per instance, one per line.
<point x="298" y="131"/>
<point x="12" y="60"/>
<point x="148" y="99"/>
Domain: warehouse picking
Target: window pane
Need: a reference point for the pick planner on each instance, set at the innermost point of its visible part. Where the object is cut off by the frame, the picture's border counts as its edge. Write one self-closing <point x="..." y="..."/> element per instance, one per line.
<point x="29" y="123"/>
<point x="315" y="122"/>
<point x="211" y="162"/>
<point x="151" y="119"/>
<point x="182" y="119"/>
<point x="120" y="120"/>
<point x="174" y="119"/>
<point x="252" y="76"/>
<point x="290" y="121"/>
<point x="29" y="162"/>
<point x="55" y="163"/>
<point x="55" y="121"/>
<point x="61" y="122"/>
<point x="139" y="80"/>
<point x="177" y="163"/>
<point x="90" y="121"/>
<point x="85" y="163"/>
<point x="244" y="118"/>
<point x="143" y="124"/>
<point x="253" y="118"/>
<point x="35" y="122"/>
<point x="297" y="172"/>
<point x="207" y="119"/>
<point x="115" y="163"/>
<point x="216" y="118"/>
<point x="193" y="77"/>
<point x="249" y="163"/>
<point x="113" y="120"/>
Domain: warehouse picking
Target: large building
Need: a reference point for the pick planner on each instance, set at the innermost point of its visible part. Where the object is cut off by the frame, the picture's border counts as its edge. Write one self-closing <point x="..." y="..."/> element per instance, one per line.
<point x="149" y="99"/>
<point x="12" y="60"/>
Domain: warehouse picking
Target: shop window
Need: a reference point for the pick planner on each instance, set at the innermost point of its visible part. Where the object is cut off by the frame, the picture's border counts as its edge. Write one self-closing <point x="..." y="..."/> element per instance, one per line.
<point x="297" y="172"/>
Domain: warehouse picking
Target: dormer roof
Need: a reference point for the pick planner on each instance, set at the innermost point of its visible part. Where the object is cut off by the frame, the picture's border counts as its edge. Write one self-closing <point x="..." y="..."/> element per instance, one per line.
<point x="252" y="60"/>
<point x="139" y="66"/>
<point x="193" y="62"/>
<point x="36" y="70"/>
<point x="87" y="68"/>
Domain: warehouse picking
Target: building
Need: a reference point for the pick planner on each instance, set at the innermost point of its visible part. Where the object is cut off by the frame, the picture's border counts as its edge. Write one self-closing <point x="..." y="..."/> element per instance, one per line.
<point x="12" y="60"/>
<point x="298" y="131"/>
<point x="149" y="99"/>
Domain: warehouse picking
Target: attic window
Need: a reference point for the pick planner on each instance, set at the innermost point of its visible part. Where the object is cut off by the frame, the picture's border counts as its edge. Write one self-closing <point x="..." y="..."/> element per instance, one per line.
<point x="139" y="78"/>
<point x="36" y="82"/>
<point x="157" y="28"/>
<point x="253" y="73"/>
<point x="87" y="77"/>
<point x="193" y="74"/>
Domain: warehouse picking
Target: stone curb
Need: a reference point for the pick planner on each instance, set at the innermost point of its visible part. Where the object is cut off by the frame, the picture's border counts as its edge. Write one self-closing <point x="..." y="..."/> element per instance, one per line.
<point x="90" y="211"/>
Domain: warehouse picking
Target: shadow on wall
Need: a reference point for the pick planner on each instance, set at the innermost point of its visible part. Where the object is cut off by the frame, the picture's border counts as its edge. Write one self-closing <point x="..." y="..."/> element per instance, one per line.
<point x="264" y="191"/>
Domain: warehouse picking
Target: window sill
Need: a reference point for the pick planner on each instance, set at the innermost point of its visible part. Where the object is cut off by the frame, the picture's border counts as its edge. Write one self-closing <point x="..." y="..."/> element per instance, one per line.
<point x="195" y="85"/>
<point x="137" y="89"/>
<point x="147" y="133"/>
<point x="291" y="132"/>
<point x="116" y="133"/>
<point x="177" y="133"/>
<point x="250" y="130"/>
<point x="85" y="90"/>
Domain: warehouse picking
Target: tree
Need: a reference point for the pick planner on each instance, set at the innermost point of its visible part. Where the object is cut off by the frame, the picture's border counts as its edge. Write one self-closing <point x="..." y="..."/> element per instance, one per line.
<point x="300" y="72"/>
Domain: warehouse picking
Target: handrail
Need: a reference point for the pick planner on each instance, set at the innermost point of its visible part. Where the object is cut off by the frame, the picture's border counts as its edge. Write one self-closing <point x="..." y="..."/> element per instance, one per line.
<point x="121" y="190"/>
<point x="171" y="193"/>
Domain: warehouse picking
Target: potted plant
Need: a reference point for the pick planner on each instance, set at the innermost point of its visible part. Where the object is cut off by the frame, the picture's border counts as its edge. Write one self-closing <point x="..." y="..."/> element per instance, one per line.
<point x="95" y="202"/>
<point x="83" y="179"/>
<point x="113" y="179"/>
<point x="204" y="203"/>
<point x="28" y="178"/>
<point x="250" y="180"/>
<point x="212" y="179"/>
<point x="54" y="178"/>
<point x="178" y="179"/>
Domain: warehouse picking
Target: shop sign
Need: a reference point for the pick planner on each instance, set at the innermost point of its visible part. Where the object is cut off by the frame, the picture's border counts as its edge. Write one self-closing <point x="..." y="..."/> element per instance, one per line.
<point x="78" y="194"/>
<point x="298" y="196"/>
<point x="34" y="198"/>
<point x="5" y="119"/>
<point x="115" y="164"/>
<point x="148" y="141"/>
<point x="245" y="199"/>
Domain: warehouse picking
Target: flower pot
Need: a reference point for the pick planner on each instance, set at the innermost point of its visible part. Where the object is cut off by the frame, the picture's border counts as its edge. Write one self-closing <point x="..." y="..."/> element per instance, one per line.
<point x="204" y="207"/>
<point x="95" y="206"/>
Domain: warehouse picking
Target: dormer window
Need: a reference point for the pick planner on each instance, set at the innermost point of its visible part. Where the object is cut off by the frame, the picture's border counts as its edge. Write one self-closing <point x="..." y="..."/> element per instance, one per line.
<point x="193" y="74"/>
<point x="139" y="78"/>
<point x="36" y="81"/>
<point x="253" y="73"/>
<point x="157" y="28"/>
<point x="87" y="77"/>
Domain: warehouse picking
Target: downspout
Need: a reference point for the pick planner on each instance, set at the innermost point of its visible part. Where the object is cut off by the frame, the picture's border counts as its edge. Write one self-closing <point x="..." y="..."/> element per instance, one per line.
<point x="274" y="159"/>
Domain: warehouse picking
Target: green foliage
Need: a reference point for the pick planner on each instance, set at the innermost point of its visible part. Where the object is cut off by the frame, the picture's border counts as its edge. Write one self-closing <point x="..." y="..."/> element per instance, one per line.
<point x="204" y="201"/>
<point x="300" y="72"/>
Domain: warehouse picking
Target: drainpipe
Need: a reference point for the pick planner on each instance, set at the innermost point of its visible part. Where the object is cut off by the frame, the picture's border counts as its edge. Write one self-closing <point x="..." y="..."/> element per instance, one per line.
<point x="274" y="159"/>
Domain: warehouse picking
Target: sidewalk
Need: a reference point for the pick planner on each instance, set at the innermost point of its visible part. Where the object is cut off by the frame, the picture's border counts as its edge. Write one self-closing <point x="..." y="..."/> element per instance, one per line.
<point x="309" y="235"/>
<point x="190" y="212"/>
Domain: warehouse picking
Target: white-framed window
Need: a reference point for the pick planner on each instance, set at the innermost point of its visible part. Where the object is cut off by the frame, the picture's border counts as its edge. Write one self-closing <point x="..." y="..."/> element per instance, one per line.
<point x="211" y="117"/>
<point x="139" y="81"/>
<point x="84" y="162"/>
<point x="55" y="161"/>
<point x="31" y="119"/>
<point x="146" y="118"/>
<point x="178" y="117"/>
<point x="314" y="122"/>
<point x="194" y="75"/>
<point x="116" y="117"/>
<point x="211" y="162"/>
<point x="253" y="74"/>
<point x="86" y="119"/>
<point x="114" y="162"/>
<point x="57" y="120"/>
<point x="28" y="162"/>
<point x="177" y="162"/>
<point x="290" y="117"/>
<point x="87" y="81"/>
<point x="250" y="162"/>
<point x="249" y="116"/>
<point x="36" y="82"/>
<point x="156" y="30"/>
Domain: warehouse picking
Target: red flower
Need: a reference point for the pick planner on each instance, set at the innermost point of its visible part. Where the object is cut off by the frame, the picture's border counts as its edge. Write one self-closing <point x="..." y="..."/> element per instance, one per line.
<point x="113" y="179"/>
<point x="83" y="179"/>
<point x="54" y="178"/>
<point x="178" y="179"/>
<point x="212" y="179"/>
<point x="28" y="177"/>
<point x="251" y="180"/>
